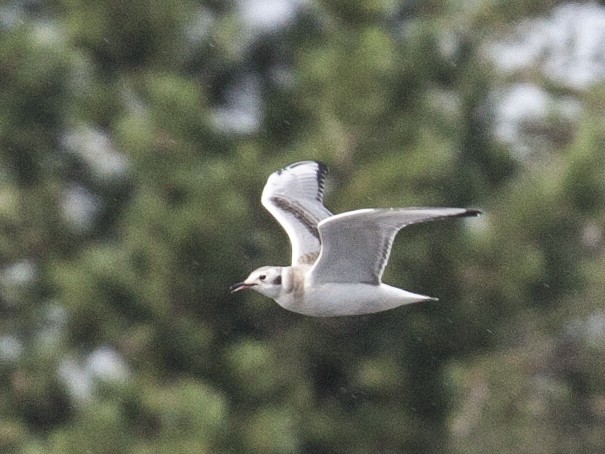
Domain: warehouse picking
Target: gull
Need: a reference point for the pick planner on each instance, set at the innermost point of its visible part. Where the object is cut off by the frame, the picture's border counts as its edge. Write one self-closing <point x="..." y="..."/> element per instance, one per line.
<point x="337" y="260"/>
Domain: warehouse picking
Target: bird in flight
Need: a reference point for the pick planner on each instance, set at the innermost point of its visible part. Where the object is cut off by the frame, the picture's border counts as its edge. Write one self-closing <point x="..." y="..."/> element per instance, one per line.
<point x="337" y="260"/>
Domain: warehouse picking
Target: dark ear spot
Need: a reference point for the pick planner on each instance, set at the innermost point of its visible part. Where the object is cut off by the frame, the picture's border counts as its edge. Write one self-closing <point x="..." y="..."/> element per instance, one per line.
<point x="277" y="280"/>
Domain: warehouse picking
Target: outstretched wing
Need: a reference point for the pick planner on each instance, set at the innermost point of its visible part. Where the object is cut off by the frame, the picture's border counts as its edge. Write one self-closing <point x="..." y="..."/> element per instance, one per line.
<point x="356" y="245"/>
<point x="294" y="196"/>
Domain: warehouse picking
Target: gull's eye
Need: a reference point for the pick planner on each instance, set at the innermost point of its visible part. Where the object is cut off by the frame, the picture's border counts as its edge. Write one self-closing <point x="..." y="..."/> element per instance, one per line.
<point x="262" y="277"/>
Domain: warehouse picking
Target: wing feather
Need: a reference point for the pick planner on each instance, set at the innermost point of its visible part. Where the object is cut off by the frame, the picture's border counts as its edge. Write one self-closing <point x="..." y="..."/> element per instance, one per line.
<point x="356" y="245"/>
<point x="294" y="196"/>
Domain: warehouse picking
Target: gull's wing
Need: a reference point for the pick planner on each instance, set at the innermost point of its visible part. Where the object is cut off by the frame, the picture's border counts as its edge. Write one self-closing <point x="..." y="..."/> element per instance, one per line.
<point x="356" y="245"/>
<point x="294" y="196"/>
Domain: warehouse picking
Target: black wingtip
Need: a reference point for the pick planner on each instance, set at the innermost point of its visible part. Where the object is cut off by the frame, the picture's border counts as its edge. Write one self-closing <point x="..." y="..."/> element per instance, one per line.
<point x="322" y="166"/>
<point x="472" y="212"/>
<point x="322" y="169"/>
<point x="322" y="172"/>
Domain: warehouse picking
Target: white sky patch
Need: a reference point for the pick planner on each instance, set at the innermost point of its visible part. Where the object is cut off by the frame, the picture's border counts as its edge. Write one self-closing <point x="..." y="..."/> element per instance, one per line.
<point x="49" y="34"/>
<point x="11" y="15"/>
<point x="568" y="45"/>
<point x="595" y="327"/>
<point x="77" y="379"/>
<point x="268" y="14"/>
<point x="519" y="103"/>
<point x="15" y="280"/>
<point x="80" y="377"/>
<point x="107" y="364"/>
<point x="522" y="104"/>
<point x="51" y="330"/>
<point x="79" y="207"/>
<point x="97" y="150"/>
<point x="590" y="329"/>
<point x="19" y="273"/>
<point x="200" y="26"/>
<point x="10" y="348"/>
<point x="242" y="112"/>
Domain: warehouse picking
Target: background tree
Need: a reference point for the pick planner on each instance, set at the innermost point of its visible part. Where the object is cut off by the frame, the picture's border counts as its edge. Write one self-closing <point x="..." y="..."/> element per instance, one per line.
<point x="135" y="140"/>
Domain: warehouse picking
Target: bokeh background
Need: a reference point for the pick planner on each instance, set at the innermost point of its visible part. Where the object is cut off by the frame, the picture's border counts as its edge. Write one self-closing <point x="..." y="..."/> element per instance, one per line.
<point x="135" y="139"/>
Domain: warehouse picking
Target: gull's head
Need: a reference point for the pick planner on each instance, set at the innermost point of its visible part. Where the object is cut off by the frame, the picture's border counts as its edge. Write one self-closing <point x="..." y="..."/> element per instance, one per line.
<point x="265" y="280"/>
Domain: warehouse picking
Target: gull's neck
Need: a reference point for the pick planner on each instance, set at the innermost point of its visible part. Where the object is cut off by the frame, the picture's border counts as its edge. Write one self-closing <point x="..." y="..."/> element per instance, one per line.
<point x="293" y="286"/>
<point x="293" y="278"/>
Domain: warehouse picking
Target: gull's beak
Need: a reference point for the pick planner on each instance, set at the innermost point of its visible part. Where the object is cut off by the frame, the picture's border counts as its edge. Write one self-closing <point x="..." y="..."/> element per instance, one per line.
<point x="240" y="286"/>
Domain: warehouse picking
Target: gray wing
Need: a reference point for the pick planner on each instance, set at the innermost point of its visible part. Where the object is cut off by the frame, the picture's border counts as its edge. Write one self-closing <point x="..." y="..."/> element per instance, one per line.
<point x="294" y="196"/>
<point x="356" y="245"/>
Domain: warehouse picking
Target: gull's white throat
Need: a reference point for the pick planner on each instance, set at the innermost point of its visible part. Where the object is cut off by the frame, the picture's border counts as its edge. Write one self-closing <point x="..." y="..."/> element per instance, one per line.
<point x="337" y="260"/>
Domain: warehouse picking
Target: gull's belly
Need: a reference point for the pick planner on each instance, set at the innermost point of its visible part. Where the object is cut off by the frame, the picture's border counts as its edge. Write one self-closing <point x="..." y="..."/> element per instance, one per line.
<point x="334" y="299"/>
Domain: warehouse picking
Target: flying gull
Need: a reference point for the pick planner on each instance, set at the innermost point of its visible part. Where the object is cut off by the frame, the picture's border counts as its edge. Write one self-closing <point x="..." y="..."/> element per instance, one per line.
<point x="337" y="260"/>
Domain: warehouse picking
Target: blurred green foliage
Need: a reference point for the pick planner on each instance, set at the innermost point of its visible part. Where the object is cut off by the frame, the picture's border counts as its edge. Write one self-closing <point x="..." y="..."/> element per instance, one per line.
<point x="135" y="139"/>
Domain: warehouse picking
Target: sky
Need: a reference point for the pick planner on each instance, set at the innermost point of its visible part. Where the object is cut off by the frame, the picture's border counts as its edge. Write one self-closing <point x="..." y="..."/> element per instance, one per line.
<point x="568" y="49"/>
